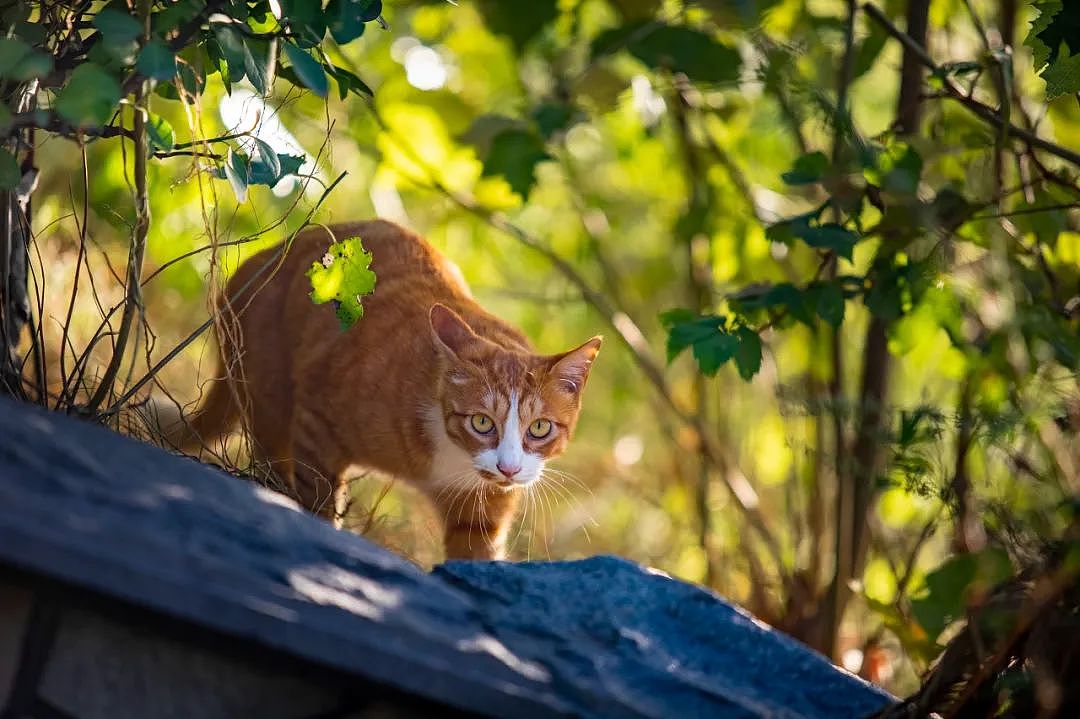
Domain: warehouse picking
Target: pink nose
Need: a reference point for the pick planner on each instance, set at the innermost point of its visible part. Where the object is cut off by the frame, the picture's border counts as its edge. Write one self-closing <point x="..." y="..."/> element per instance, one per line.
<point x="508" y="472"/>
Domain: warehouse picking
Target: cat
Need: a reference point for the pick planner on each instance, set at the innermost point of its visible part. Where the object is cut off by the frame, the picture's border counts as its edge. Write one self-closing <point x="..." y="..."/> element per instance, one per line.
<point x="427" y="386"/>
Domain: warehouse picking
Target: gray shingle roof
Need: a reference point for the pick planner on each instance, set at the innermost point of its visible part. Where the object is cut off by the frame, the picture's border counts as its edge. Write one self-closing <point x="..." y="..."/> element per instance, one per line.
<point x="599" y="637"/>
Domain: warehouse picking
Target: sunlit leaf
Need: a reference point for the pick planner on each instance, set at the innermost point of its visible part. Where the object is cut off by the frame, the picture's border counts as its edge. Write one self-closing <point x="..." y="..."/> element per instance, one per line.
<point x="90" y="96"/>
<point x="160" y="132"/>
<point x="236" y="171"/>
<point x="342" y="276"/>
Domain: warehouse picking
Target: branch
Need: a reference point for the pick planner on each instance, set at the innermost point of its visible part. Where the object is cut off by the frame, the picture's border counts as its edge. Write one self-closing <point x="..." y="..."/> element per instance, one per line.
<point x="984" y="112"/>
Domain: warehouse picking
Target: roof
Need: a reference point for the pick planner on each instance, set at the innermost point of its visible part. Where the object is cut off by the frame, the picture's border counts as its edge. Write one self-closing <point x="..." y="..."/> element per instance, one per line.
<point x="603" y="636"/>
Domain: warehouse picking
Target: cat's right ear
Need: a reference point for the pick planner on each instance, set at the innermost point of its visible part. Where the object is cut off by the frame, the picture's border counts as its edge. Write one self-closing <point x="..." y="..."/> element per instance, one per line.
<point x="452" y="334"/>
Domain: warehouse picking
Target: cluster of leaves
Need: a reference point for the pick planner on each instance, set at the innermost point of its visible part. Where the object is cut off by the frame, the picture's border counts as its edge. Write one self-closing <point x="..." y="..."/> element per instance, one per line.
<point x="84" y="75"/>
<point x="343" y="277"/>
<point x="1054" y="40"/>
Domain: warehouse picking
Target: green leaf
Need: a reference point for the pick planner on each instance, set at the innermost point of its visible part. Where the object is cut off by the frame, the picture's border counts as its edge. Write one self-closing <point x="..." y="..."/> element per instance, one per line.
<point x="306" y="20"/>
<point x="553" y="117"/>
<point x="807" y="169"/>
<point x="712" y="351"/>
<point x="10" y="175"/>
<point x="520" y="21"/>
<point x="260" y="59"/>
<point x="748" y="355"/>
<point x="308" y="69"/>
<point x="349" y="82"/>
<point x="1054" y="40"/>
<point x="269" y="158"/>
<point x="343" y="276"/>
<point x="514" y="154"/>
<point x="830" y="304"/>
<point x="157" y="61"/>
<point x="956" y="583"/>
<point x="830" y="236"/>
<point x="347" y="17"/>
<point x="685" y="329"/>
<point x="1063" y="75"/>
<point x="160" y="132"/>
<point x="266" y="171"/>
<point x="869" y="50"/>
<point x="117" y="26"/>
<point x="675" y="48"/>
<point x="20" y="62"/>
<point x="90" y="96"/>
<point x="236" y="171"/>
<point x="230" y="46"/>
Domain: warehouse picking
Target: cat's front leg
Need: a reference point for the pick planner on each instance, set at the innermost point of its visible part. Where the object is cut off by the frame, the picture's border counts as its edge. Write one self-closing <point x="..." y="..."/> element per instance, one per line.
<point x="477" y="522"/>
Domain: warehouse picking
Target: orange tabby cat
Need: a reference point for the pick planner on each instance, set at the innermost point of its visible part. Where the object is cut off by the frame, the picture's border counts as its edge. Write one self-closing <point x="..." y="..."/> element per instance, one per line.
<point x="427" y="386"/>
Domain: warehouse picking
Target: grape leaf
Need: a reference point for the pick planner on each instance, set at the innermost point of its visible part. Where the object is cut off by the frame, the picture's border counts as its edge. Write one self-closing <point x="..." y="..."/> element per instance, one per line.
<point x="343" y="276"/>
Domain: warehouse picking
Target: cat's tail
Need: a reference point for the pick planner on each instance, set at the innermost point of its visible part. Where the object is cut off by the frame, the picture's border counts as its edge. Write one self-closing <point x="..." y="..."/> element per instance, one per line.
<point x="216" y="415"/>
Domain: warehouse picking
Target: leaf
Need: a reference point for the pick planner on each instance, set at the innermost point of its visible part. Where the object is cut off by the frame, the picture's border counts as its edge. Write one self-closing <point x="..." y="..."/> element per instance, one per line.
<point x="10" y="174"/>
<point x="90" y="96"/>
<point x="306" y="20"/>
<point x="1054" y="40"/>
<point x="20" y="62"/>
<point x="955" y="584"/>
<point x="830" y="304"/>
<point x="807" y="169"/>
<point x="520" y="21"/>
<point x="308" y="69"/>
<point x="713" y="351"/>
<point x="237" y="172"/>
<point x="514" y="154"/>
<point x="1063" y="76"/>
<point x="830" y="236"/>
<point x="268" y="157"/>
<point x="553" y="117"/>
<point x="160" y="132"/>
<point x="265" y="171"/>
<point x="675" y="48"/>
<point x="748" y="355"/>
<point x="868" y="51"/>
<point x="157" y="61"/>
<point x="117" y="26"/>
<point x="230" y="45"/>
<point x="684" y="329"/>
<point x="349" y="82"/>
<point x="346" y="18"/>
<point x="260" y="59"/>
<point x="343" y="277"/>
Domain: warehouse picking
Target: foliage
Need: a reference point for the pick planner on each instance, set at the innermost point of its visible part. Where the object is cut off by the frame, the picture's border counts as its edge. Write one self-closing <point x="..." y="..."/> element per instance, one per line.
<point x="342" y="277"/>
<point x="1055" y="42"/>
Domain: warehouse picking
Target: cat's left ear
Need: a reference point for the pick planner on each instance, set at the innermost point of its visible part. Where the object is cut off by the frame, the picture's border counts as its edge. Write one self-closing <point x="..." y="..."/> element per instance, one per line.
<point x="571" y="369"/>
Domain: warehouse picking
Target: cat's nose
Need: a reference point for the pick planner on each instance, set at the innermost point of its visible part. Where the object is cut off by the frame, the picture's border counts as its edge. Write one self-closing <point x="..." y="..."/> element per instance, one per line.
<point x="508" y="472"/>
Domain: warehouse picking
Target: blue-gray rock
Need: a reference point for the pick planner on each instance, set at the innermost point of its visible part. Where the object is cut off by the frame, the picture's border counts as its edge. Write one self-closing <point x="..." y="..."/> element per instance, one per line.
<point x="602" y="637"/>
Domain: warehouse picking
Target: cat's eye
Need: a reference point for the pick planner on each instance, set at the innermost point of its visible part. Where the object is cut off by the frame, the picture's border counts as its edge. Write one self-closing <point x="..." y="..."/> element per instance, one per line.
<point x="540" y="428"/>
<point x="481" y="423"/>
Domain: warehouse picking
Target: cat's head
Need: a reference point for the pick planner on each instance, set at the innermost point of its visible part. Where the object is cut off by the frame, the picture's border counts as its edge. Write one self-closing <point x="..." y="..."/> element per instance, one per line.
<point x="511" y="411"/>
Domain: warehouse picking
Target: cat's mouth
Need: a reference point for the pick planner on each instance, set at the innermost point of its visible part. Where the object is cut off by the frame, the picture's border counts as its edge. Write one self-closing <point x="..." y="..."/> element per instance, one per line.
<point x="501" y="482"/>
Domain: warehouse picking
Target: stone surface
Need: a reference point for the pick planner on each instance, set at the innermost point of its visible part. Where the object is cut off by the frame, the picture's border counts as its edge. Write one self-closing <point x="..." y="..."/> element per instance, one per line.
<point x="599" y="637"/>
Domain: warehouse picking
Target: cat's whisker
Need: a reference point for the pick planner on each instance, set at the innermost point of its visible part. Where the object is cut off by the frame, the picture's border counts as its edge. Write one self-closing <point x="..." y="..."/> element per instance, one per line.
<point x="554" y="481"/>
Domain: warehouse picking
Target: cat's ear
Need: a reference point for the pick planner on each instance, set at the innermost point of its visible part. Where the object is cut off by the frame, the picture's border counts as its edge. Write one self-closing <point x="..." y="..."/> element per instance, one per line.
<point x="571" y="369"/>
<point x="451" y="333"/>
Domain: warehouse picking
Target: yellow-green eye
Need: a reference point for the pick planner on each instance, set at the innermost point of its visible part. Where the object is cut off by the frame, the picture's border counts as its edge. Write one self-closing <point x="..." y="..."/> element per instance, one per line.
<point x="540" y="428"/>
<point x="481" y="423"/>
